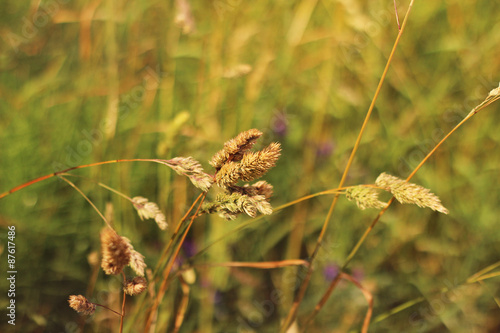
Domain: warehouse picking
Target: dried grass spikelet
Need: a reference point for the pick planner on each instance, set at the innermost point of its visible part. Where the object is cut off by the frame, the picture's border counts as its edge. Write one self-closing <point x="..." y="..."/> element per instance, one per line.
<point x="229" y="206"/>
<point x="255" y="164"/>
<point x="191" y="168"/>
<point x="235" y="148"/>
<point x="252" y="205"/>
<point x="365" y="197"/>
<point x="136" y="259"/>
<point x="135" y="286"/>
<point x="115" y="252"/>
<point x="406" y="192"/>
<point x="150" y="210"/>
<point x="259" y="188"/>
<point x="228" y="175"/>
<point x="81" y="304"/>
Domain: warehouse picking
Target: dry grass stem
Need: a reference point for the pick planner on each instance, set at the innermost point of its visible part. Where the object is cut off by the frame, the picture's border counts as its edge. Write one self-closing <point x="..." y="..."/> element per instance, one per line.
<point x="406" y="192"/>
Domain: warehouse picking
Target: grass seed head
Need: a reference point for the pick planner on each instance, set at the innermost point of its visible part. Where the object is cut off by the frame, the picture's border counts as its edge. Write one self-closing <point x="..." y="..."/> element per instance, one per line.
<point x="255" y="164"/>
<point x="150" y="210"/>
<point x="235" y="148"/>
<point x="365" y="197"/>
<point x="135" y="286"/>
<point x="115" y="252"/>
<point x="81" y="304"/>
<point x="406" y="192"/>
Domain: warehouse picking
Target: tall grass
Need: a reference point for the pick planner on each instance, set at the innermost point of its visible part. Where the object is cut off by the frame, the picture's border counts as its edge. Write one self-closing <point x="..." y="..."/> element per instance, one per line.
<point x="83" y="83"/>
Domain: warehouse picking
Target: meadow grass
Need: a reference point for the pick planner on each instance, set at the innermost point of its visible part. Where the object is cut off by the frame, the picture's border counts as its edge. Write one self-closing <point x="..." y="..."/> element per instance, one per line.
<point x="83" y="83"/>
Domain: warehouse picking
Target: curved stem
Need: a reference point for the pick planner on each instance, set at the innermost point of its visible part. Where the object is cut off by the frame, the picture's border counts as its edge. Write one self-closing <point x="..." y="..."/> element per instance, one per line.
<point x="488" y="101"/>
<point x="39" y="179"/>
<point x="305" y="283"/>
<point x="86" y="198"/>
<point x="166" y="271"/>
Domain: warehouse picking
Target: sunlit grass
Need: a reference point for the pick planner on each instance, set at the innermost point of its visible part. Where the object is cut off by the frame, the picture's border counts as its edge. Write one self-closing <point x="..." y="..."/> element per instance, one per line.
<point x="106" y="81"/>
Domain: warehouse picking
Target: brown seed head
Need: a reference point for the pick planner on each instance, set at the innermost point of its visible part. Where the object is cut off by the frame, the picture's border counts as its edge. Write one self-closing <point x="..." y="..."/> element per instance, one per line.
<point x="255" y="164"/>
<point x="81" y="304"/>
<point x="228" y="174"/>
<point x="115" y="252"/>
<point x="235" y="148"/>
<point x="135" y="286"/>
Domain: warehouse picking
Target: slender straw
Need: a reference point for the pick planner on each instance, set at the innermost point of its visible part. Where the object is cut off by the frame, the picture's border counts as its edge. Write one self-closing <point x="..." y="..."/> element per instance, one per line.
<point x="293" y="311"/>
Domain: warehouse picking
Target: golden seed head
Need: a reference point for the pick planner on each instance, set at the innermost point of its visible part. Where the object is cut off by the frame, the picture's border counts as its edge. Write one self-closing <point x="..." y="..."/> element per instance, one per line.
<point x="228" y="175"/>
<point x="230" y="205"/>
<point x="235" y="162"/>
<point x="365" y="197"/>
<point x="233" y="149"/>
<point x="135" y="286"/>
<point x="255" y="164"/>
<point x="406" y="192"/>
<point x="115" y="252"/>
<point x="81" y="304"/>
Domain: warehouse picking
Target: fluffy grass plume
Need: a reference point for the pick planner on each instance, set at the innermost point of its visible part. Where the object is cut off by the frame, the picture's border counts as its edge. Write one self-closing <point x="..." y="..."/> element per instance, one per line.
<point x="115" y="252"/>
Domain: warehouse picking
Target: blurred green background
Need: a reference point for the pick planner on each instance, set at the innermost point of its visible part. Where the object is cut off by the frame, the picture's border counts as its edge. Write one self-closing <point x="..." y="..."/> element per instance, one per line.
<point x="88" y="81"/>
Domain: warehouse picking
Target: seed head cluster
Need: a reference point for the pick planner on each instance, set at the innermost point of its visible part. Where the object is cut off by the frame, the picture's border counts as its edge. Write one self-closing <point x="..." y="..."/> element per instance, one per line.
<point x="235" y="162"/>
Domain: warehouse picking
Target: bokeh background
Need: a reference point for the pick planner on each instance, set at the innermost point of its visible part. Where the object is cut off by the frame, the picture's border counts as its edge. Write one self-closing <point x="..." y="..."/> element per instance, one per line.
<point x="88" y="81"/>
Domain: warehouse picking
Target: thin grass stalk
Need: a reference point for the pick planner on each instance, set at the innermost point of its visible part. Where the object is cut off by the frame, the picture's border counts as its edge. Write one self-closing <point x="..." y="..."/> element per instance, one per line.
<point x="261" y="218"/>
<point x="305" y="283"/>
<point x="54" y="174"/>
<point x="259" y="265"/>
<point x="179" y="318"/>
<point x="166" y="272"/>
<point x="174" y="235"/>
<point x="488" y="101"/>
<point x="123" y="306"/>
<point x="369" y="299"/>
<point x="86" y="198"/>
<point x="167" y="248"/>
<point x="476" y="278"/>
<point x="483" y="271"/>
